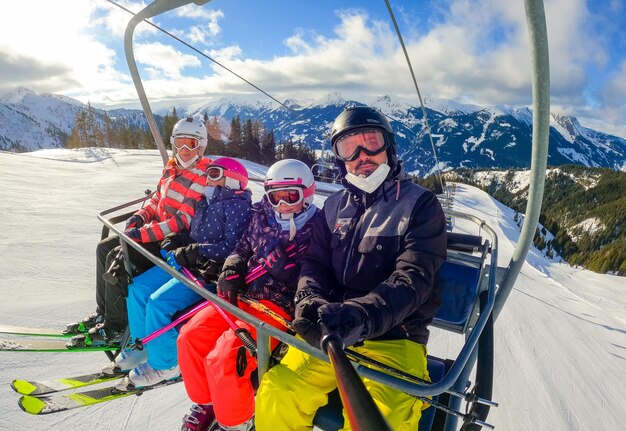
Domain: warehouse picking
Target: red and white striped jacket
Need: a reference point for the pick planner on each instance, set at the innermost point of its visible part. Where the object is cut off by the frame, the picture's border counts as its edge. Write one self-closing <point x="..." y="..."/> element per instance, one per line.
<point x="173" y="205"/>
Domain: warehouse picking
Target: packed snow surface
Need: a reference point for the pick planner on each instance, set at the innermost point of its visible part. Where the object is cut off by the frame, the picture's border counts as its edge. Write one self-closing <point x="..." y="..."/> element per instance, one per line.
<point x="560" y="342"/>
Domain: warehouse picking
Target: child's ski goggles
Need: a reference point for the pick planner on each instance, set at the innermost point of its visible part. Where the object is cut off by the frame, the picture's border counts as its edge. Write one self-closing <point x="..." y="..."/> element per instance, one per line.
<point x="188" y="142"/>
<point x="286" y="195"/>
<point x="215" y="173"/>
<point x="348" y="147"/>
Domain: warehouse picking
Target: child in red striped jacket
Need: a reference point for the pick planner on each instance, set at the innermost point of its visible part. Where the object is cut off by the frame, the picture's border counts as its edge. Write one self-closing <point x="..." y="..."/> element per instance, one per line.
<point x="170" y="209"/>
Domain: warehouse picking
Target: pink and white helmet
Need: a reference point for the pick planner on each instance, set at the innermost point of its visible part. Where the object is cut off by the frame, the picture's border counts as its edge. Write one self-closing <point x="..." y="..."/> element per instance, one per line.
<point x="291" y="173"/>
<point x="236" y="174"/>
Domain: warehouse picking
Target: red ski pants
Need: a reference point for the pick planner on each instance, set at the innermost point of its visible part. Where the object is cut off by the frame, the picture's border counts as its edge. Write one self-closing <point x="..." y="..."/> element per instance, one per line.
<point x="207" y="356"/>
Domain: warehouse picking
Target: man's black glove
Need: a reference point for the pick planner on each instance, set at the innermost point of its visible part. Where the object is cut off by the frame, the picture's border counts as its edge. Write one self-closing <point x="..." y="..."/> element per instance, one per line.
<point x="187" y="256"/>
<point x="230" y="284"/>
<point x="134" y="221"/>
<point x="306" y="316"/>
<point x="347" y="319"/>
<point x="308" y="330"/>
<point x="277" y="264"/>
<point x="307" y="304"/>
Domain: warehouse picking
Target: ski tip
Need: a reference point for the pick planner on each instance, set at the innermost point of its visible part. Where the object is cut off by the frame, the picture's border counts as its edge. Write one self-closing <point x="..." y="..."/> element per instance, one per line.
<point x="23" y="387"/>
<point x="31" y="405"/>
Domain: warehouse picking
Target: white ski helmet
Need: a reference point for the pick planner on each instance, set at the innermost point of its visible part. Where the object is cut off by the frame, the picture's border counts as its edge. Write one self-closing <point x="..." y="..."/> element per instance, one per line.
<point x="290" y="173"/>
<point x="192" y="128"/>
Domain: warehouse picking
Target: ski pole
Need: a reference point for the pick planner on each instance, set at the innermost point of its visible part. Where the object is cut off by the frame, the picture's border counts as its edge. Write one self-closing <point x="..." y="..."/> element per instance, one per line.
<point x="242" y="333"/>
<point x="140" y="343"/>
<point x="259" y="306"/>
<point x="260" y="270"/>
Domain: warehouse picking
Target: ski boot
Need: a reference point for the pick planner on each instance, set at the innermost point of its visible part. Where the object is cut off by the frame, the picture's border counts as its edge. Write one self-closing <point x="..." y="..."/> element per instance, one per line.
<point x="201" y="418"/>
<point x="144" y="375"/>
<point x="83" y="326"/>
<point x="246" y="426"/>
<point x="97" y="336"/>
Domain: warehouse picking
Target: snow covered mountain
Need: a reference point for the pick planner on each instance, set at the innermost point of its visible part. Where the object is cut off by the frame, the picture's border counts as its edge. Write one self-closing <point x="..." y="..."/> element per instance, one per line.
<point x="31" y="121"/>
<point x="464" y="135"/>
<point x="559" y="341"/>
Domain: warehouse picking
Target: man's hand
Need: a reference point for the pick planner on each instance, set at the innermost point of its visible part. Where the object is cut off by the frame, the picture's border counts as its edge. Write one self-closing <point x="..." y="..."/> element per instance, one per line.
<point x="348" y="320"/>
<point x="308" y="330"/>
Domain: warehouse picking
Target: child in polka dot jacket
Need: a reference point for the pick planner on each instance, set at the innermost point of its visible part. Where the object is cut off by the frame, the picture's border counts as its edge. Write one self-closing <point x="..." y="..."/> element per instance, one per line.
<point x="220" y="219"/>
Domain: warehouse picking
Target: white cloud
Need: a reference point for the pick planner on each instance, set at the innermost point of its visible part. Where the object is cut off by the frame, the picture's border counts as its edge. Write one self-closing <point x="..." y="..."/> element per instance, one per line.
<point x="57" y="48"/>
<point x="475" y="53"/>
<point x="163" y="59"/>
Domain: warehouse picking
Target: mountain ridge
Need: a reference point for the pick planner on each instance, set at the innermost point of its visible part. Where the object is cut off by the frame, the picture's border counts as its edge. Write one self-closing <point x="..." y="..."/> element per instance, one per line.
<point x="465" y="136"/>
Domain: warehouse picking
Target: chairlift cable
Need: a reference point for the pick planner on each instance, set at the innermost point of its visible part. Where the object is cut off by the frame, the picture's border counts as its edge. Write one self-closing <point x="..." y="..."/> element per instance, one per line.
<point x="419" y="94"/>
<point x="206" y="56"/>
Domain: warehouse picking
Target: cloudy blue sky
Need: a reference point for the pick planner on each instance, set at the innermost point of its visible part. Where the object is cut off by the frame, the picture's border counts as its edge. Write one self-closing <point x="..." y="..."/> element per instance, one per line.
<point x="469" y="51"/>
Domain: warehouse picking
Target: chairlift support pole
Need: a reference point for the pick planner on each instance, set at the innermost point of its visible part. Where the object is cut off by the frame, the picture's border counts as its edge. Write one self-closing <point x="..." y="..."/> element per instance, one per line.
<point x="153" y="9"/>
<point x="540" y="78"/>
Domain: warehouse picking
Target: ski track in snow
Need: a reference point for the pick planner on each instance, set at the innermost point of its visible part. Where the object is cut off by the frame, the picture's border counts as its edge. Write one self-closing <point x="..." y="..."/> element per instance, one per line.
<point x="560" y="342"/>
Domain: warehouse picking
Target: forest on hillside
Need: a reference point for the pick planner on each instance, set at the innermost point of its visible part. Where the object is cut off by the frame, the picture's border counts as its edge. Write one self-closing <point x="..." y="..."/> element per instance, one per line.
<point x="584" y="208"/>
<point x="248" y="139"/>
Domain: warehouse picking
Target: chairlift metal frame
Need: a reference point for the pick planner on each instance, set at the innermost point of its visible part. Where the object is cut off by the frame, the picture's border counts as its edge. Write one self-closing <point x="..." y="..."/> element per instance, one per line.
<point x="500" y="280"/>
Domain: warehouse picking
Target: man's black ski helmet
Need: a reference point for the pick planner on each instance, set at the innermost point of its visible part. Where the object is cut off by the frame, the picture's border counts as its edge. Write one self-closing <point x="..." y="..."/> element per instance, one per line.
<point x="355" y="117"/>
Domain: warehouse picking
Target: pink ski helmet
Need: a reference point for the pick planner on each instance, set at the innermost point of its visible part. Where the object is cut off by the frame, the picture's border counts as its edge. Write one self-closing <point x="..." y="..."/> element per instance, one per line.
<point x="235" y="173"/>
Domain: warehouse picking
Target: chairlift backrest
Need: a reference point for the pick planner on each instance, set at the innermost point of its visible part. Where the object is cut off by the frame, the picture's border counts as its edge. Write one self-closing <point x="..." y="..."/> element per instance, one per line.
<point x="458" y="280"/>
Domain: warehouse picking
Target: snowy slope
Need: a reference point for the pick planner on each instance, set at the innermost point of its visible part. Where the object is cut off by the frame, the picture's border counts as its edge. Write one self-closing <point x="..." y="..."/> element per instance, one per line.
<point x="560" y="342"/>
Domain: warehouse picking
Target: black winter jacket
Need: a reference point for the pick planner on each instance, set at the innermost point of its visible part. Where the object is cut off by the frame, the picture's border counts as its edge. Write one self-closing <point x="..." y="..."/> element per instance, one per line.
<point x="381" y="251"/>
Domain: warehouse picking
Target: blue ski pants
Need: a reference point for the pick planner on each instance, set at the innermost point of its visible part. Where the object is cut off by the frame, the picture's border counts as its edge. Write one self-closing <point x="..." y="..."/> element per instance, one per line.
<point x="153" y="298"/>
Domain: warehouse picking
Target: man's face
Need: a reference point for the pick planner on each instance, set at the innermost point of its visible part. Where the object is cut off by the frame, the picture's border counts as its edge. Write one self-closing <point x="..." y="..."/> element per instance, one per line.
<point x="364" y="165"/>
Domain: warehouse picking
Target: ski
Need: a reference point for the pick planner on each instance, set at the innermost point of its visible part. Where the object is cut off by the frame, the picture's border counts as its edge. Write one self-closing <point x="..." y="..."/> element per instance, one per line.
<point x="20" y="345"/>
<point x="46" y="387"/>
<point x="62" y="402"/>
<point x="34" y="332"/>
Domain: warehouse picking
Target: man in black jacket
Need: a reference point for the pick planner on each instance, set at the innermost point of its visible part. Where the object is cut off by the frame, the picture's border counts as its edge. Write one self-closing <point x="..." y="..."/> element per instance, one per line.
<point x="367" y="276"/>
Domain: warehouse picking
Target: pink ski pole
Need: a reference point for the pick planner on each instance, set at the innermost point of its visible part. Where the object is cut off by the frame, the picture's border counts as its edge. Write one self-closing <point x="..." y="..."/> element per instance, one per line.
<point x="259" y="270"/>
<point x="139" y="343"/>
<point x="242" y="333"/>
<point x="260" y="267"/>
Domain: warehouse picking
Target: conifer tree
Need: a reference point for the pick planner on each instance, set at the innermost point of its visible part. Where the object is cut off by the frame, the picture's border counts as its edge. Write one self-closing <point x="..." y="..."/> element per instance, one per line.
<point x="235" y="141"/>
<point x="268" y="148"/>
<point x="168" y="125"/>
<point x="215" y="145"/>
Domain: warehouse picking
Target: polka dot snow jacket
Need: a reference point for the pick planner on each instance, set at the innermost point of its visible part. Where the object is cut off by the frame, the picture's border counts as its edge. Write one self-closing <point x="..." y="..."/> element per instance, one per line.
<point x="219" y="222"/>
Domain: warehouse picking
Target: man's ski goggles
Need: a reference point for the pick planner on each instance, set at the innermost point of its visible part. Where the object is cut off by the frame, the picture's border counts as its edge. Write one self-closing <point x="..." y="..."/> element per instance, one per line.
<point x="188" y="142"/>
<point x="286" y="195"/>
<point x="215" y="173"/>
<point x="348" y="147"/>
